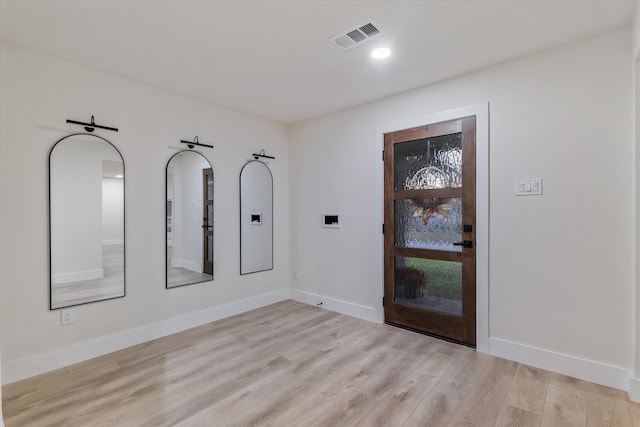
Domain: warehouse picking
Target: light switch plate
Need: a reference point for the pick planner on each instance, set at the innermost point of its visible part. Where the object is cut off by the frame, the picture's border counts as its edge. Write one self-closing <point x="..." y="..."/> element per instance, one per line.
<point x="528" y="187"/>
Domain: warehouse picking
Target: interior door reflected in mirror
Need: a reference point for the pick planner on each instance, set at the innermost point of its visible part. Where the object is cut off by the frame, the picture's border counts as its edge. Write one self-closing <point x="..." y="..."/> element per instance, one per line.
<point x="86" y="221"/>
<point x="189" y="219"/>
<point x="256" y="218"/>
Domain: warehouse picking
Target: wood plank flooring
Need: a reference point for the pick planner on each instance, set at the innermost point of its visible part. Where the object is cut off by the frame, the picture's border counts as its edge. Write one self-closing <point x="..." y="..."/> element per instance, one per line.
<point x="291" y="364"/>
<point x="179" y="276"/>
<point x="110" y="286"/>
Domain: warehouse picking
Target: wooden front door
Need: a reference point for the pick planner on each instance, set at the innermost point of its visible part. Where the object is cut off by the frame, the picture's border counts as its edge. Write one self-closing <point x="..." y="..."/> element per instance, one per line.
<point x="207" y="220"/>
<point x="429" y="242"/>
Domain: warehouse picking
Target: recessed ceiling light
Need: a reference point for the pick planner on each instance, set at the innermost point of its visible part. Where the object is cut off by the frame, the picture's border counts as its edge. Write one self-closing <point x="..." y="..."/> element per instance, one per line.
<point x="380" y="53"/>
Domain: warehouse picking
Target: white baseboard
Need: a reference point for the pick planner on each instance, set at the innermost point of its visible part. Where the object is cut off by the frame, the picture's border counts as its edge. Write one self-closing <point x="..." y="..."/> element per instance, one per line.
<point x="588" y="370"/>
<point x="192" y="266"/>
<point x="189" y="265"/>
<point x="77" y="276"/>
<point x="634" y="390"/>
<point x="15" y="370"/>
<point x="339" y="306"/>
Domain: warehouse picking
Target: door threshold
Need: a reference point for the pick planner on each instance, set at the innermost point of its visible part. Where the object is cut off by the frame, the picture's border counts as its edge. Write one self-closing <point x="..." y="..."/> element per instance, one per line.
<point x="440" y="337"/>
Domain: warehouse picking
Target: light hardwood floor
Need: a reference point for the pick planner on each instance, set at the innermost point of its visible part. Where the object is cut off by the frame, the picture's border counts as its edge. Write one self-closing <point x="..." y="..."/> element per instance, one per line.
<point x="178" y="276"/>
<point x="110" y="286"/>
<point x="291" y="364"/>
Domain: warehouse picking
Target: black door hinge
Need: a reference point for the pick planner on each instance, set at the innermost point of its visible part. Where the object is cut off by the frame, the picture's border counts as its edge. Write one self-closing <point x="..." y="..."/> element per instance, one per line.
<point x="383" y="301"/>
<point x="383" y="228"/>
<point x="383" y="155"/>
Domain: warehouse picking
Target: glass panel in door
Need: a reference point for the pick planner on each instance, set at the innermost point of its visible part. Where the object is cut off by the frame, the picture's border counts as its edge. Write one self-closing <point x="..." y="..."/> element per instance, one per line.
<point x="428" y="163"/>
<point x="430" y="284"/>
<point x="434" y="223"/>
<point x="430" y="203"/>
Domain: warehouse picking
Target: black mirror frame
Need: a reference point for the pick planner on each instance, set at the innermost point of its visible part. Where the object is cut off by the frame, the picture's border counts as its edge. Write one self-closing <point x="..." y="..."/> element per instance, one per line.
<point x="166" y="239"/>
<point x="124" y="220"/>
<point x="240" y="223"/>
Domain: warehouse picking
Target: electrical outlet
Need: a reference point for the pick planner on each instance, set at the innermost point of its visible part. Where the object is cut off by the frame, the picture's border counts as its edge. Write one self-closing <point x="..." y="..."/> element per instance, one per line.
<point x="67" y="316"/>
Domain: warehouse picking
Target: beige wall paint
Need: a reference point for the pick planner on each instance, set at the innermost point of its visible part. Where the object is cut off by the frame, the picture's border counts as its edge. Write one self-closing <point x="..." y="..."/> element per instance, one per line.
<point x="561" y="264"/>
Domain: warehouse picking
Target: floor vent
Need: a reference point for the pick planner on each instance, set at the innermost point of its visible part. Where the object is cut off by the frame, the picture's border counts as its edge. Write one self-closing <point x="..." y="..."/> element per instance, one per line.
<point x="353" y="36"/>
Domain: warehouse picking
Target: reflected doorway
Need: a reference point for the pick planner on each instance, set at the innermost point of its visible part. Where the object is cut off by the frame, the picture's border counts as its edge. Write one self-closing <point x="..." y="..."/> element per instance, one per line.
<point x="189" y="219"/>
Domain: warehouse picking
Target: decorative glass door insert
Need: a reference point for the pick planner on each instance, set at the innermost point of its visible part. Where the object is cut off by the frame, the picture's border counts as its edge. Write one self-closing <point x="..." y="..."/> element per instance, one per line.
<point x="429" y="254"/>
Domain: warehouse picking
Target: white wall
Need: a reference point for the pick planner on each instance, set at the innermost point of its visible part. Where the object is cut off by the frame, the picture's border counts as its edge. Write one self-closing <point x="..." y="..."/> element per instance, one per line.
<point x="636" y="384"/>
<point x="76" y="210"/>
<point x="38" y="94"/>
<point x="635" y="57"/>
<point x="636" y="31"/>
<point x="178" y="206"/>
<point x="112" y="211"/>
<point x="561" y="265"/>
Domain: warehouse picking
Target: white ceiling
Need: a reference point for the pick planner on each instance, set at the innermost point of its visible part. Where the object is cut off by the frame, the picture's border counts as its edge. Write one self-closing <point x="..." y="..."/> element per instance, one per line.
<point x="274" y="58"/>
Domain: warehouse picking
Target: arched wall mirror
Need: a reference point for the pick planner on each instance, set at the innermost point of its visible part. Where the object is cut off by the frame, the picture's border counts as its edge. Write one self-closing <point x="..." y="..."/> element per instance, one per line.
<point x="189" y="219"/>
<point x="256" y="218"/>
<point x="86" y="221"/>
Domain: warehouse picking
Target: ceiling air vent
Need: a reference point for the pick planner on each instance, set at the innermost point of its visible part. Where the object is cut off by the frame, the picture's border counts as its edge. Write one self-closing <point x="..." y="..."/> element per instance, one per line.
<point x="353" y="36"/>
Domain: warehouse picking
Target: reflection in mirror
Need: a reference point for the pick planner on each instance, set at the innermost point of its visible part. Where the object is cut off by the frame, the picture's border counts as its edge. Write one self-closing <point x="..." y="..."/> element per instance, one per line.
<point x="189" y="219"/>
<point x="86" y="221"/>
<point x="256" y="218"/>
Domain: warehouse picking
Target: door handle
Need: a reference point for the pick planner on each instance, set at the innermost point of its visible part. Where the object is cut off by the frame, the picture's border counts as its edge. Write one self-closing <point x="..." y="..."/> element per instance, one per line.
<point x="206" y="226"/>
<point x="464" y="243"/>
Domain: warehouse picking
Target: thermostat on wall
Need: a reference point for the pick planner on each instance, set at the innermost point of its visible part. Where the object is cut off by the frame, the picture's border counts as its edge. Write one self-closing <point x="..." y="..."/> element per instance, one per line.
<point x="331" y="220"/>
